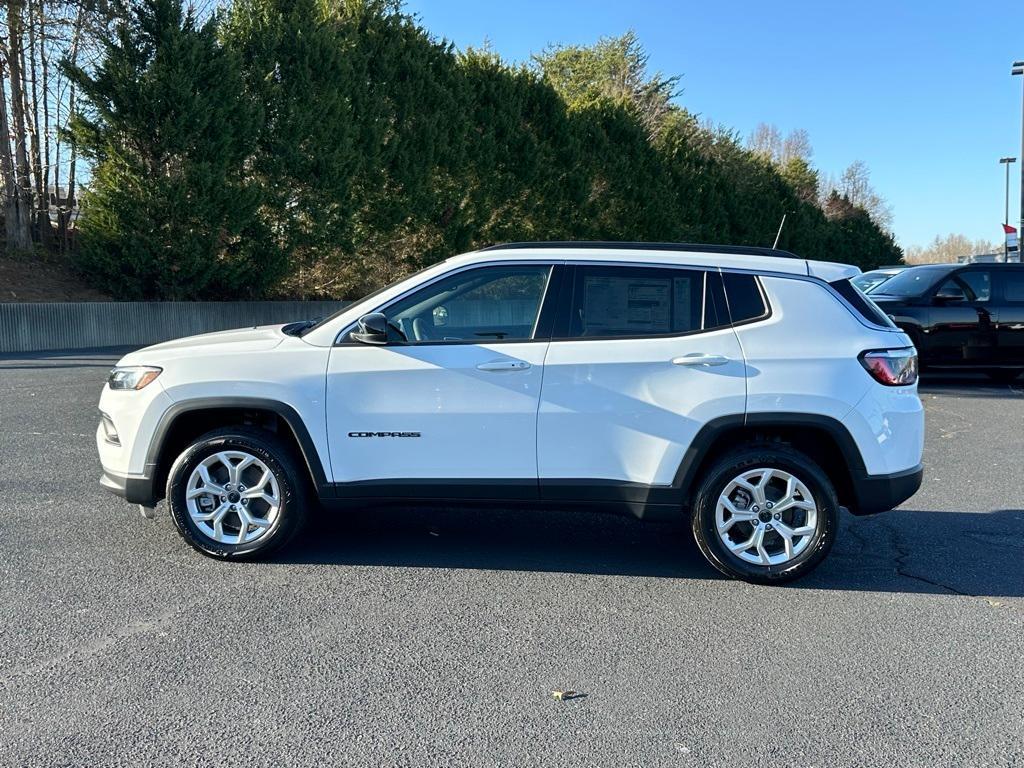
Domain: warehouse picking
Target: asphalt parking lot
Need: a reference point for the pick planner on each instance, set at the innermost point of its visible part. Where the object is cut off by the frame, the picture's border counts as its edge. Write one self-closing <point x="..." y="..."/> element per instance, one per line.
<point x="420" y="638"/>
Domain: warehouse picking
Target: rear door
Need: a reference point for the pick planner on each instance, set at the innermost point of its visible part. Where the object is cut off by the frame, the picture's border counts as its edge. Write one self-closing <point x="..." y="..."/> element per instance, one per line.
<point x="1009" y="290"/>
<point x="641" y="359"/>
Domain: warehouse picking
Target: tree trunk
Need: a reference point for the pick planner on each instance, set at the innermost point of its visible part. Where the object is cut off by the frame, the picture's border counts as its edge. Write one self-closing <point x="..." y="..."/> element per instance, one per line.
<point x="66" y="205"/>
<point x="19" y="236"/>
<point x="41" y="208"/>
<point x="44" y="60"/>
<point x="10" y="185"/>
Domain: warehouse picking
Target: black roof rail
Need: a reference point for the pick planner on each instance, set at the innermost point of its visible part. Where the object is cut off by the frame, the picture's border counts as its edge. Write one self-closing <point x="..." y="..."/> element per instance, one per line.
<point x="744" y="250"/>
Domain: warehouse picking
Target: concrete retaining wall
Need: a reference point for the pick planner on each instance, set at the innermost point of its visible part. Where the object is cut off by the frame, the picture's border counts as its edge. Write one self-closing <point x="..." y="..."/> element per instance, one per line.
<point x="32" y="327"/>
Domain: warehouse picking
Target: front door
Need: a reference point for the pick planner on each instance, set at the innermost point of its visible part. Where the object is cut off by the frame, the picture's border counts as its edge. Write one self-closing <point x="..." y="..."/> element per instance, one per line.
<point x="640" y="363"/>
<point x="450" y="405"/>
<point x="962" y="328"/>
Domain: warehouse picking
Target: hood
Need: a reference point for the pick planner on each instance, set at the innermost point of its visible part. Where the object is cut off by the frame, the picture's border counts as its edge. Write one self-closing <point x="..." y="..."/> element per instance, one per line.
<point x="256" y="339"/>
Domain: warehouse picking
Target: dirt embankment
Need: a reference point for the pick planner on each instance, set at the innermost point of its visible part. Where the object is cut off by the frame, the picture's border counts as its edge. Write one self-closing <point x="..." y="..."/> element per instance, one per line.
<point x="43" y="279"/>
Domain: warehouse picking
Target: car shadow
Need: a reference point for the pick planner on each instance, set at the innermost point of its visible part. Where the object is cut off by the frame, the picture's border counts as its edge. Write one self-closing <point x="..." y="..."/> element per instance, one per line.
<point x="975" y="385"/>
<point x="901" y="551"/>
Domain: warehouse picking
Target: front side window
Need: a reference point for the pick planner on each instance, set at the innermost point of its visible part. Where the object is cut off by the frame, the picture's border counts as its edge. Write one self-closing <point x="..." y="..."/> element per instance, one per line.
<point x="966" y="286"/>
<point x="499" y="303"/>
<point x="635" y="301"/>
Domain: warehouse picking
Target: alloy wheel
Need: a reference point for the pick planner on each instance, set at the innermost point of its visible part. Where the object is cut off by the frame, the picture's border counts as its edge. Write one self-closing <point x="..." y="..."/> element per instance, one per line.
<point x="766" y="516"/>
<point x="233" y="497"/>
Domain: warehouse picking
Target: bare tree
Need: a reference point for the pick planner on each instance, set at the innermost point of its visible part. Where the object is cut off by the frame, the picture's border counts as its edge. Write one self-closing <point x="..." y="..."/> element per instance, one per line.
<point x="40" y="179"/>
<point x="31" y="92"/>
<point x="19" y="229"/>
<point x="10" y="184"/>
<point x="66" y="205"/>
<point x="948" y="249"/>
<point x="766" y="141"/>
<point x="855" y="186"/>
<point x="796" y="146"/>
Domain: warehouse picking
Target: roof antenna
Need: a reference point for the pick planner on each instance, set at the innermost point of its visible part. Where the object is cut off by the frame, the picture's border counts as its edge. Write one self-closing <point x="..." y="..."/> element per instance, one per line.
<point x="779" y="233"/>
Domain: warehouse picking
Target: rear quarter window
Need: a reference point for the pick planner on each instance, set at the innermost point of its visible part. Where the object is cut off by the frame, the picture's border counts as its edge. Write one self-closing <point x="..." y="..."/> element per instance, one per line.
<point x="745" y="297"/>
<point x="861" y="304"/>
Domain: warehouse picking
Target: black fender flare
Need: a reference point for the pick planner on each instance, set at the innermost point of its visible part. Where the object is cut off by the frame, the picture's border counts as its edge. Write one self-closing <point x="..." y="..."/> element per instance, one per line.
<point x="288" y="414"/>
<point x="700" y="446"/>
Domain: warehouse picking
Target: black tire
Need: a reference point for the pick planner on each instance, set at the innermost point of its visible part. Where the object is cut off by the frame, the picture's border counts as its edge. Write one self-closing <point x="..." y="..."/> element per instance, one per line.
<point x="769" y="456"/>
<point x="1004" y="375"/>
<point x="279" y="459"/>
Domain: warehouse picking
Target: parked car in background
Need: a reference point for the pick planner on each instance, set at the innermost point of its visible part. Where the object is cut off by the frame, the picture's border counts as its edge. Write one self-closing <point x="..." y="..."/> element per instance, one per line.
<point x="961" y="316"/>
<point x="750" y="390"/>
<point x="868" y="281"/>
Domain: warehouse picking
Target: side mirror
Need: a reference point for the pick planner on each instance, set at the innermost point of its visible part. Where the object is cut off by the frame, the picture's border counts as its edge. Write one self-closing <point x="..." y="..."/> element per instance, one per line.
<point x="371" y="329"/>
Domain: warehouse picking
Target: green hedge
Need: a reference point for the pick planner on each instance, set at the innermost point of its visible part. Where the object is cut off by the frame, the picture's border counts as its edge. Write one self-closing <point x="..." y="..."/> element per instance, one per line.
<point x="319" y="149"/>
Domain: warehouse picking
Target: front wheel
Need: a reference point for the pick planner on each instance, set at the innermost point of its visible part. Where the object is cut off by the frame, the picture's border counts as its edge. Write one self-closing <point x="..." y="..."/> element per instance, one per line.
<point x="236" y="493"/>
<point x="766" y="515"/>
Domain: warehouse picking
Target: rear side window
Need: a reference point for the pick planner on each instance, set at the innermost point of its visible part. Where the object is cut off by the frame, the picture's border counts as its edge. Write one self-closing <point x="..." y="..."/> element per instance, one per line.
<point x="746" y="301"/>
<point x="610" y="301"/>
<point x="1013" y="286"/>
<point x="864" y="306"/>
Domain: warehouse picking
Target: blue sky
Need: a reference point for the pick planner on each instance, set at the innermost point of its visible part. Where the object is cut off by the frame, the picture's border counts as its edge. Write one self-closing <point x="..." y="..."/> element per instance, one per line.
<point x="921" y="91"/>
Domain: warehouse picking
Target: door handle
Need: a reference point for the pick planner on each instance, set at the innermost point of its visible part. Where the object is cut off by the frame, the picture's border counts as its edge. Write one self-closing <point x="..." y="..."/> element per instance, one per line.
<point x="698" y="358"/>
<point x="504" y="365"/>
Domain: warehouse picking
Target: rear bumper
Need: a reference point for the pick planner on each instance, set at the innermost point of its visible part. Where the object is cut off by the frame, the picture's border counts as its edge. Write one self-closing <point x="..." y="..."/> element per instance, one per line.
<point x="137" y="490"/>
<point x="880" y="493"/>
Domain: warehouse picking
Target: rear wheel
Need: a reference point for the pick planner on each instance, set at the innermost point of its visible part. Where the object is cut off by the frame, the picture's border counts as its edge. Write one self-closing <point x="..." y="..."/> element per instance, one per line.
<point x="236" y="493"/>
<point x="1004" y="375"/>
<point x="766" y="515"/>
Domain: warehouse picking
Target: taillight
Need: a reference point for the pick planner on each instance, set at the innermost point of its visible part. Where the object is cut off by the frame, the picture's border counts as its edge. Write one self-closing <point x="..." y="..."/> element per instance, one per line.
<point x="892" y="367"/>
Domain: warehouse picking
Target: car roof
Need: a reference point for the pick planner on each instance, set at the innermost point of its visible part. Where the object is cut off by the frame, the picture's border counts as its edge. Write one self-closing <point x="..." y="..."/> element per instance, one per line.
<point x="935" y="267"/>
<point x="685" y="254"/>
<point x="949" y="267"/>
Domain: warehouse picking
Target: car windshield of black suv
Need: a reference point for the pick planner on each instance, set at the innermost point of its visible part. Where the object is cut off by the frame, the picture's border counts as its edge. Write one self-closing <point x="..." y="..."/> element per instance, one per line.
<point x="911" y="282"/>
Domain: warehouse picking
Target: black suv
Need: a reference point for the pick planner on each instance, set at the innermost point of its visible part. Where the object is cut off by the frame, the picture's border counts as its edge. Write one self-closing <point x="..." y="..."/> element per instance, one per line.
<point x="961" y="316"/>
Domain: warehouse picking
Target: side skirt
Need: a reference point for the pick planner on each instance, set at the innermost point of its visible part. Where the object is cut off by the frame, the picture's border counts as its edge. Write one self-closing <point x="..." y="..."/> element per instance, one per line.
<point x="641" y="501"/>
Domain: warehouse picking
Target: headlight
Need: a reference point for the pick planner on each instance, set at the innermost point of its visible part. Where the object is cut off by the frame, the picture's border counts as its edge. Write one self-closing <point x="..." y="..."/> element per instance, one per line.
<point x="132" y="376"/>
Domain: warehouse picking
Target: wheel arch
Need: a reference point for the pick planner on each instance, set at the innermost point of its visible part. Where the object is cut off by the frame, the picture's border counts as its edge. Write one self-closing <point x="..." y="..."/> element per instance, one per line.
<point x="824" y="439"/>
<point x="188" y="419"/>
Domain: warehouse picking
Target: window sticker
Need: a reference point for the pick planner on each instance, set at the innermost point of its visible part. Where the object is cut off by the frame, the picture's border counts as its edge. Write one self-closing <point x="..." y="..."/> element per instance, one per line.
<point x="627" y="305"/>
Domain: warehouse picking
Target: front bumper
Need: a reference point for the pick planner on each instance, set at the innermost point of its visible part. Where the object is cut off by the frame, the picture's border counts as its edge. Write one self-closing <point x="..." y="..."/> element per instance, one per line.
<point x="137" y="490"/>
<point x="880" y="493"/>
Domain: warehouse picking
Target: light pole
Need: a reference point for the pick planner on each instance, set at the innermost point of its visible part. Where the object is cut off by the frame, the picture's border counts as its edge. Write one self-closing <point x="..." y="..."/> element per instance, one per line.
<point x="1007" y="161"/>
<point x="1018" y="69"/>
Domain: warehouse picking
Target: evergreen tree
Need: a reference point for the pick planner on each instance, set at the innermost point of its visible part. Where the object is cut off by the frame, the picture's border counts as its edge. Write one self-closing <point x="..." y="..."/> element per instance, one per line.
<point x="326" y="147"/>
<point x="170" y="129"/>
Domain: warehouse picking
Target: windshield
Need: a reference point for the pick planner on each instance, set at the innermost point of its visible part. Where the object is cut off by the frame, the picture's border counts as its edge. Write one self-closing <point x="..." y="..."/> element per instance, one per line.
<point x="910" y="282"/>
<point x="870" y="280"/>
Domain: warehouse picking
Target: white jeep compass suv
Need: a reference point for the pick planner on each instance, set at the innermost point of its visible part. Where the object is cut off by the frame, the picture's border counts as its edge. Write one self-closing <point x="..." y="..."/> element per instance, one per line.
<point x="754" y="391"/>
